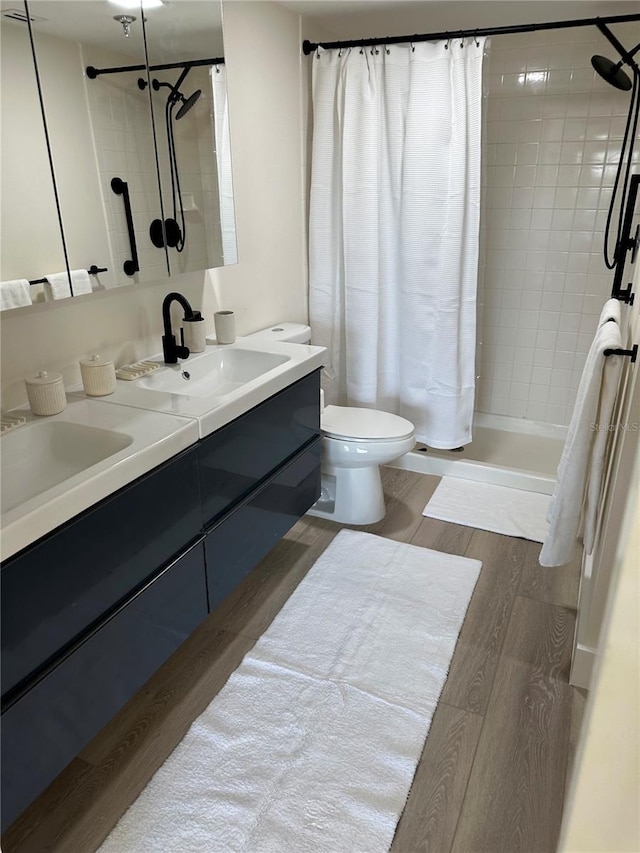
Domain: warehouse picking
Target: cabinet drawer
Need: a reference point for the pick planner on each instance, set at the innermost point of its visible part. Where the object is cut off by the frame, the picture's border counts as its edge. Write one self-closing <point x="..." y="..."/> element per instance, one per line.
<point x="237" y="457"/>
<point x="47" y="727"/>
<point x="241" y="540"/>
<point x="55" y="590"/>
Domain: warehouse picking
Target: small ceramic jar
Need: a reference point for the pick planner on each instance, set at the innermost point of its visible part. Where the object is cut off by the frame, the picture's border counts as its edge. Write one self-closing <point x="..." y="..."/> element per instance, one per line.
<point x="98" y="376"/>
<point x="45" y="392"/>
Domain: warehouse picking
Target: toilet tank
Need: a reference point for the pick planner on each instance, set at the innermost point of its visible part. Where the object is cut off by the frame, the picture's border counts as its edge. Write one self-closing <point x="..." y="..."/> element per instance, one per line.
<point x="293" y="333"/>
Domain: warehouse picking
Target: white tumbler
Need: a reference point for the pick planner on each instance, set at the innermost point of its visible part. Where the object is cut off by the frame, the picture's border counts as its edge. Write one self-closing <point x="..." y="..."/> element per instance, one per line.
<point x="225" y="324"/>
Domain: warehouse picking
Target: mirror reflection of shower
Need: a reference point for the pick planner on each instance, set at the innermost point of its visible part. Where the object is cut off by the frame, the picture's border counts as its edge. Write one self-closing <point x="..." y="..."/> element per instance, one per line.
<point x="175" y="231"/>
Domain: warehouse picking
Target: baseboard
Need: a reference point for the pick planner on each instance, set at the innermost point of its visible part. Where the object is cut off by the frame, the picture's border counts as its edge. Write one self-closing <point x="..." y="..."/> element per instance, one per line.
<point x="584" y="658"/>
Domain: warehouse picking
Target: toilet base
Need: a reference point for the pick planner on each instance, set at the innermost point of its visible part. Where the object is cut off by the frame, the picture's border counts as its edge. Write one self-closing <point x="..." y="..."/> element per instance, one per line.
<point x="350" y="495"/>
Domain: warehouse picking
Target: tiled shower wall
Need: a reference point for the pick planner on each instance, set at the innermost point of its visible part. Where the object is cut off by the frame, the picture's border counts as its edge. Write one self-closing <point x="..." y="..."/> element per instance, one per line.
<point x="552" y="136"/>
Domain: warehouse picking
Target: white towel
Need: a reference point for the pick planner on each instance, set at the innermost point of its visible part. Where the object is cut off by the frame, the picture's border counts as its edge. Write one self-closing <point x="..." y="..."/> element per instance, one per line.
<point x="56" y="285"/>
<point x="601" y="447"/>
<point x="14" y="294"/>
<point x="610" y="311"/>
<point x="595" y="395"/>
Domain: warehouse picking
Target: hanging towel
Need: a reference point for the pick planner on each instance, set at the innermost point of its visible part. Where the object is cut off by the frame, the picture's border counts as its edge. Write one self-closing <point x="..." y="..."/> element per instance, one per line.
<point x="14" y="294"/>
<point x="56" y="285"/>
<point x="601" y="445"/>
<point x="596" y="395"/>
<point x="611" y="311"/>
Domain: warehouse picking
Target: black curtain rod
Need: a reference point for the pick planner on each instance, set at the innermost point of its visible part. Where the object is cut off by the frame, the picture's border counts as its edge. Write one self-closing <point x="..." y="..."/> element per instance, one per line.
<point x="92" y="72"/>
<point x="309" y="46"/>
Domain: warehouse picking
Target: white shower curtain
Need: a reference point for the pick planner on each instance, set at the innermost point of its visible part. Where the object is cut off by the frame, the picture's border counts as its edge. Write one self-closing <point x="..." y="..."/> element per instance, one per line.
<point x="393" y="236"/>
<point x="223" y="161"/>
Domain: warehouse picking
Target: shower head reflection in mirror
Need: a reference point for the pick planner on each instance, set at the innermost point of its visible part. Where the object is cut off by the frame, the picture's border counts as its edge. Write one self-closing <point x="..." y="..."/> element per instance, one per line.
<point x="173" y="233"/>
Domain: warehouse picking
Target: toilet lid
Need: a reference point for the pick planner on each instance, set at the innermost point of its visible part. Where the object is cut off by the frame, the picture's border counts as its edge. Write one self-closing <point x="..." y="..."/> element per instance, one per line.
<point x="364" y="424"/>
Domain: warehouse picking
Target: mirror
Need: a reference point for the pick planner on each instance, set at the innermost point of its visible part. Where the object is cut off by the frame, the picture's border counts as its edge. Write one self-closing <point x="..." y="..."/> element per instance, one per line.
<point x="188" y="94"/>
<point x="31" y="235"/>
<point x="111" y="124"/>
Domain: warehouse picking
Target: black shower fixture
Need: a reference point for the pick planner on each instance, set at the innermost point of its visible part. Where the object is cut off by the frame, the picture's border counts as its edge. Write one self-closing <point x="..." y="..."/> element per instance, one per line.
<point x="612" y="72"/>
<point x="176" y="96"/>
<point x="187" y="103"/>
<point x="173" y="231"/>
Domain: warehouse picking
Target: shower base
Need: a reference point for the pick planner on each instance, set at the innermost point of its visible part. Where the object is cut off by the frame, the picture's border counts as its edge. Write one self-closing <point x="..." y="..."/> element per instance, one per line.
<point x="504" y="451"/>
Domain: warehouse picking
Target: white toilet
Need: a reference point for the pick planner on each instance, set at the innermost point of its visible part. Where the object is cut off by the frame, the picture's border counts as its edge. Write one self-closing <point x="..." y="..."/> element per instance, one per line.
<point x="355" y="442"/>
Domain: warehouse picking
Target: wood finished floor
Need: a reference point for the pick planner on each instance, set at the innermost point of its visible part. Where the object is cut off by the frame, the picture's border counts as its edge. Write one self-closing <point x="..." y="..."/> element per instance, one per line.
<point x="493" y="771"/>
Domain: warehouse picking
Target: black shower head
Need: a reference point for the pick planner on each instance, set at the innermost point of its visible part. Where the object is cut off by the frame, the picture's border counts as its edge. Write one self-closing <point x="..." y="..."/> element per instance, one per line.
<point x="175" y="96"/>
<point x="187" y="103"/>
<point x="611" y="72"/>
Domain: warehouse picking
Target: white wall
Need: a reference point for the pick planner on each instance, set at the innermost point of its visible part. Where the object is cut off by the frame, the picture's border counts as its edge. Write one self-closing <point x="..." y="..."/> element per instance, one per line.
<point x="262" y="50"/>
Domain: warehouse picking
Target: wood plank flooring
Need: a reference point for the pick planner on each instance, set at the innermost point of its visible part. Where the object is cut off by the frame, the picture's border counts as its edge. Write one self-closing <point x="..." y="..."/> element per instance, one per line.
<point x="493" y="771"/>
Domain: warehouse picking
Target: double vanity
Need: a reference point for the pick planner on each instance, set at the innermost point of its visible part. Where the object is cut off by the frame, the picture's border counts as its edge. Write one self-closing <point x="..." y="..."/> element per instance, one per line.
<point x="126" y="520"/>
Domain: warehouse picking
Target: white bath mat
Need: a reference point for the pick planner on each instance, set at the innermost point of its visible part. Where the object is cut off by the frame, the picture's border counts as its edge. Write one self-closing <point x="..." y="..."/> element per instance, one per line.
<point x="313" y="742"/>
<point x="500" y="509"/>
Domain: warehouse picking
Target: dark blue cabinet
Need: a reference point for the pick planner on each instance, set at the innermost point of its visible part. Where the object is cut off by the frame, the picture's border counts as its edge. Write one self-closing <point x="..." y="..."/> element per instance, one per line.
<point x="238" y="457"/>
<point x="56" y="589"/>
<point x="46" y="727"/>
<point x="90" y="611"/>
<point x="236" y="544"/>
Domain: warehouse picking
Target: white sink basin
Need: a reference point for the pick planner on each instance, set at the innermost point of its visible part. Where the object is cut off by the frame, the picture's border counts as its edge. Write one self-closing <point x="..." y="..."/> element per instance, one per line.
<point x="43" y="454"/>
<point x="54" y="468"/>
<point x="220" y="372"/>
<point x="223" y="382"/>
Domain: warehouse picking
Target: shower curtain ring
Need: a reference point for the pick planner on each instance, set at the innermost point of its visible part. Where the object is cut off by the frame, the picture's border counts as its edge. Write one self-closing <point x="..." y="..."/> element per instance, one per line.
<point x="413" y="47"/>
<point x="446" y="47"/>
<point x="387" y="50"/>
<point x="461" y="42"/>
<point x="318" y="52"/>
<point x="475" y="38"/>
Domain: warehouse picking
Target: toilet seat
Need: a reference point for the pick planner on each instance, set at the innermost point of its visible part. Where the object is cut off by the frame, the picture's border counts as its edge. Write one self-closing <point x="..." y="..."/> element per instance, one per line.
<point x="357" y="424"/>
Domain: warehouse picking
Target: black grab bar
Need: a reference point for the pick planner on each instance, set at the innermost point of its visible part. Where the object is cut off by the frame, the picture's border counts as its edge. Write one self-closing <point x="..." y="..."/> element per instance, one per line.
<point x="121" y="187"/>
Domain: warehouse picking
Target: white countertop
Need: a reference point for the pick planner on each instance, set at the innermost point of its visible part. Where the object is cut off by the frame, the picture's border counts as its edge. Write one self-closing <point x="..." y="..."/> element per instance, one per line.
<point x="156" y="425"/>
<point x="212" y="412"/>
<point x="155" y="438"/>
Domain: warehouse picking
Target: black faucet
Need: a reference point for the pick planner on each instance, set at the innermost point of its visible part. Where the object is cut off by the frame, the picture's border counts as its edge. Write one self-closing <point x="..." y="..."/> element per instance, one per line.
<point x="173" y="351"/>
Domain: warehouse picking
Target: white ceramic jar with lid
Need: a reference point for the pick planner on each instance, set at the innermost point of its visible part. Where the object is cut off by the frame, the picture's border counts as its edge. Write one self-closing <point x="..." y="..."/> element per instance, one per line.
<point x="45" y="392"/>
<point x="98" y="376"/>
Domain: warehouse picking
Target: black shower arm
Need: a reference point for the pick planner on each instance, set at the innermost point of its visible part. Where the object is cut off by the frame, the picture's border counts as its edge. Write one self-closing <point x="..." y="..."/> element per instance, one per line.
<point x="176" y="86"/>
<point x="627" y="55"/>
